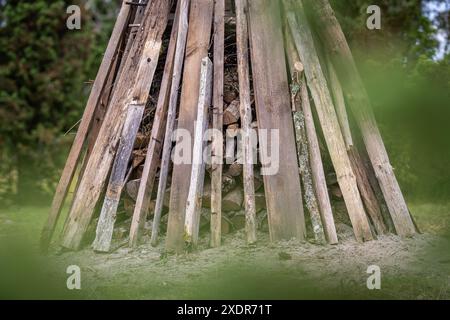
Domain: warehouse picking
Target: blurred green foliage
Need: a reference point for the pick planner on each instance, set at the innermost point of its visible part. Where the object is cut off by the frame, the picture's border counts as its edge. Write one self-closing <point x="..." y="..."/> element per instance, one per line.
<point x="44" y="68"/>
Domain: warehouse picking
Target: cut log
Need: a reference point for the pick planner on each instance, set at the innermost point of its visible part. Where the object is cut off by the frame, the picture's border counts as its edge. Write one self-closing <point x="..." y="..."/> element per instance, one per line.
<point x="238" y="220"/>
<point x="328" y="119"/>
<point x="139" y="70"/>
<point x="233" y="200"/>
<point x="181" y="37"/>
<point x="230" y="143"/>
<point x="217" y="144"/>
<point x="296" y="69"/>
<point x="228" y="183"/>
<point x="83" y="129"/>
<point x="194" y="200"/>
<point x="200" y="22"/>
<point x="132" y="188"/>
<point x="235" y="169"/>
<point x="336" y="45"/>
<point x="246" y="119"/>
<point x="231" y="114"/>
<point x="260" y="202"/>
<point x="105" y="226"/>
<point x="282" y="187"/>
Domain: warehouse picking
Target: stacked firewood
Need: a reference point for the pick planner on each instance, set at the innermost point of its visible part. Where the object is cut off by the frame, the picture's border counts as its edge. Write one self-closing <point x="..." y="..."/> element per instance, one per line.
<point x="237" y="67"/>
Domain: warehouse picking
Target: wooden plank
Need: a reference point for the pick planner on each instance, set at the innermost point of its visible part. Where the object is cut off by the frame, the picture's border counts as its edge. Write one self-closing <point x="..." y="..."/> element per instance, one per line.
<point x="105" y="226"/>
<point x="137" y="76"/>
<point x="303" y="152"/>
<point x="180" y="30"/>
<point x="83" y="129"/>
<point x="328" y="119"/>
<point x="246" y="119"/>
<point x="217" y="142"/>
<point x="336" y="45"/>
<point x="195" y="195"/>
<point x="283" y="194"/>
<point x="152" y="159"/>
<point x="199" y="33"/>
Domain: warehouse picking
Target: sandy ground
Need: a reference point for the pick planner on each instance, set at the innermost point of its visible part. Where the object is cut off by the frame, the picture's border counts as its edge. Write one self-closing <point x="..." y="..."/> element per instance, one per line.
<point x="413" y="268"/>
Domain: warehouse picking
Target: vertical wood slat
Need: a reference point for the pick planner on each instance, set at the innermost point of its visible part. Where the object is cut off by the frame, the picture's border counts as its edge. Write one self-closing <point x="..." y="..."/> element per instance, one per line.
<point x="105" y="226"/>
<point x="246" y="118"/>
<point x="336" y="45"/>
<point x="327" y="115"/>
<point x="83" y="129"/>
<point x="217" y="143"/>
<point x="283" y="193"/>
<point x="195" y="195"/>
<point x="155" y="144"/>
<point x="138" y="74"/>
<point x="180" y="48"/>
<point x="200" y="23"/>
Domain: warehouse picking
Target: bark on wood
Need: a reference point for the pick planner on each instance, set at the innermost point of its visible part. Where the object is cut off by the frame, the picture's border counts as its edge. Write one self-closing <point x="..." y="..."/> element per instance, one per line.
<point x="246" y="118"/>
<point x="83" y="129"/>
<point x="178" y="43"/>
<point x="194" y="200"/>
<point x="230" y="143"/>
<point x="283" y="194"/>
<point x="105" y="226"/>
<point x="317" y="171"/>
<point x="200" y="23"/>
<point x="296" y="69"/>
<point x="231" y="114"/>
<point x="152" y="160"/>
<point x="217" y="144"/>
<point x="327" y="115"/>
<point x="358" y="100"/>
<point x="138" y="74"/>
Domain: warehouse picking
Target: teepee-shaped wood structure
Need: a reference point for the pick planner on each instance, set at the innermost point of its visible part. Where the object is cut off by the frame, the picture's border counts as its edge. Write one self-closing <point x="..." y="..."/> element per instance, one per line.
<point x="268" y="61"/>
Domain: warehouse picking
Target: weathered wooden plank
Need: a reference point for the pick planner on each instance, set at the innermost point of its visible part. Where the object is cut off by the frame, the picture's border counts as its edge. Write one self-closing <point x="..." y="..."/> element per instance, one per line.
<point x="137" y="75"/>
<point x="303" y="152"/>
<point x="336" y="45"/>
<point x="195" y="195"/>
<point x="217" y="141"/>
<point x="246" y="118"/>
<point x="282" y="187"/>
<point x="200" y="22"/>
<point x="105" y="226"/>
<point x="328" y="119"/>
<point x="180" y="48"/>
<point x="152" y="159"/>
<point x="83" y="129"/>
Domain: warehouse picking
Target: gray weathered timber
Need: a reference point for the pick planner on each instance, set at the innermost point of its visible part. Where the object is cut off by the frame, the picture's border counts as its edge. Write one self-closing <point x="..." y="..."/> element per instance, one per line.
<point x="83" y="129"/>
<point x="171" y="116"/>
<point x="155" y="144"/>
<point x="273" y="107"/>
<point x="328" y="119"/>
<point x="246" y="118"/>
<point x="337" y="47"/>
<point x="105" y="226"/>
<point x="138" y="75"/>
<point x="200" y="22"/>
<point x="217" y="142"/>
<point x="195" y="195"/>
<point x="303" y="152"/>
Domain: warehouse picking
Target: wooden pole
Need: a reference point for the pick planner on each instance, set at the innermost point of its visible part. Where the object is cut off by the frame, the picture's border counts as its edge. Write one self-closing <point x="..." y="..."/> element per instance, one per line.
<point x="138" y="74"/>
<point x="330" y="125"/>
<point x="83" y="129"/>
<point x="217" y="143"/>
<point x="105" y="226"/>
<point x="152" y="160"/>
<point x="200" y="22"/>
<point x="273" y="107"/>
<point x="303" y="152"/>
<point x="335" y="43"/>
<point x="194" y="200"/>
<point x="246" y="119"/>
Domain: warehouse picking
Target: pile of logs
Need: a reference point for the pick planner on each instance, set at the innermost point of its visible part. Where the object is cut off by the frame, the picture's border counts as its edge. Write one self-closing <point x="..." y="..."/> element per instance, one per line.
<point x="243" y="68"/>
